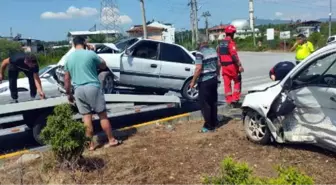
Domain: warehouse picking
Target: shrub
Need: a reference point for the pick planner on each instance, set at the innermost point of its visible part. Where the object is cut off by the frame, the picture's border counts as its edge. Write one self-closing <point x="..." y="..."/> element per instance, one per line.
<point x="232" y="172"/>
<point x="65" y="135"/>
<point x="8" y="47"/>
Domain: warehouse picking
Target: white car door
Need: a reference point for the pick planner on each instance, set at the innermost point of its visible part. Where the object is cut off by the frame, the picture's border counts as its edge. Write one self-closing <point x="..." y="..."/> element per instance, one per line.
<point x="314" y="118"/>
<point x="177" y="66"/>
<point x="141" y="67"/>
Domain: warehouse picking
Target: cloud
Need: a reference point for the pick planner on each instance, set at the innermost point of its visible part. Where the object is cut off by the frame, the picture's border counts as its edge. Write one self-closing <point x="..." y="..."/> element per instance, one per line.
<point x="70" y="13"/>
<point x="278" y="14"/>
<point x="112" y="16"/>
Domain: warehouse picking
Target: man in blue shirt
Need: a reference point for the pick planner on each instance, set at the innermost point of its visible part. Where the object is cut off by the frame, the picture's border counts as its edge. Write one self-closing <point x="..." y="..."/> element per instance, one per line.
<point x="206" y="74"/>
<point x="280" y="70"/>
<point x="81" y="70"/>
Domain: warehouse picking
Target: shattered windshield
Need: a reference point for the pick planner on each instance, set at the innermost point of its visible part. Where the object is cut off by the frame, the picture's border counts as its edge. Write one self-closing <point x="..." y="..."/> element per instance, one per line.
<point x="124" y="43"/>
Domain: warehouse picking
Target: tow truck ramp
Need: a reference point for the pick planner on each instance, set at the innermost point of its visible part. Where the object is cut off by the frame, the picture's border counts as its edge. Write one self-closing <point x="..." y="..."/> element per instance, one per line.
<point x="33" y="114"/>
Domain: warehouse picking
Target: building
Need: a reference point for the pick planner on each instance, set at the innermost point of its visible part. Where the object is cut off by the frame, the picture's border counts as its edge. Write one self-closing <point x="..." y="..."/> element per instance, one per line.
<point x="87" y="34"/>
<point x="216" y="32"/>
<point x="306" y="27"/>
<point x="155" y="30"/>
<point x="243" y="30"/>
<point x="27" y="44"/>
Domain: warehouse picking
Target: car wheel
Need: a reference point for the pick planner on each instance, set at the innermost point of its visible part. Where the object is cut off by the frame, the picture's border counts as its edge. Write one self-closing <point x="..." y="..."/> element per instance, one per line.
<point x="256" y="128"/>
<point x="107" y="82"/>
<point x="39" y="125"/>
<point x="188" y="93"/>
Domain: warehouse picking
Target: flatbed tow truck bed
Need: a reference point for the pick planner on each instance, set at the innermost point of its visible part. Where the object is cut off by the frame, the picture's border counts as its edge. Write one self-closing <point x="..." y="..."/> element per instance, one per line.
<point x="18" y="117"/>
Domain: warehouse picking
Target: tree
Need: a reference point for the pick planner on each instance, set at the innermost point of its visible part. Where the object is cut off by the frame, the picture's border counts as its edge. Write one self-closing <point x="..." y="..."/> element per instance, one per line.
<point x="7" y="47"/>
<point x="65" y="135"/>
<point x="100" y="38"/>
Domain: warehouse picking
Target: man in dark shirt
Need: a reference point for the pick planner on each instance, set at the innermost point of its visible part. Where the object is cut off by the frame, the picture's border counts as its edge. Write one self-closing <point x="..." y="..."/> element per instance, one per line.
<point x="280" y="70"/>
<point x="26" y="63"/>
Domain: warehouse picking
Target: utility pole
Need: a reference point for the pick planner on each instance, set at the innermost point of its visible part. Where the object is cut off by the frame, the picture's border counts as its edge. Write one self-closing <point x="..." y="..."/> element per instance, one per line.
<point x="11" y="32"/>
<point x="144" y="23"/>
<point x="251" y="12"/>
<point x="330" y="13"/>
<point x="206" y="15"/>
<point x="192" y="21"/>
<point x="195" y="19"/>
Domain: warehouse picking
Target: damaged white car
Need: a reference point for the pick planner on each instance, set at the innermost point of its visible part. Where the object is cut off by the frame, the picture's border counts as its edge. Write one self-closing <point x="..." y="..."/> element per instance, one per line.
<point x="299" y="109"/>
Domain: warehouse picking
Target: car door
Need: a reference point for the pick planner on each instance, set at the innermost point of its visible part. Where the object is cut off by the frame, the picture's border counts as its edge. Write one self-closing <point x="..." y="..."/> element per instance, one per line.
<point x="141" y="67"/>
<point x="109" y="55"/>
<point x="314" y="118"/>
<point x="177" y="66"/>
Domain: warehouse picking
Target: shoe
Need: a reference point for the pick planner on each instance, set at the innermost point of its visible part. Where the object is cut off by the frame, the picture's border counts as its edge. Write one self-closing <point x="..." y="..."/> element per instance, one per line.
<point x="236" y="105"/>
<point x="14" y="101"/>
<point x="205" y="130"/>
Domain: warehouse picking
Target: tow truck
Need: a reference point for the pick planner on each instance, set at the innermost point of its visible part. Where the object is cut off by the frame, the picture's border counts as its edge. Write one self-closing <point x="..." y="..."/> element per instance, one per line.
<point x="32" y="114"/>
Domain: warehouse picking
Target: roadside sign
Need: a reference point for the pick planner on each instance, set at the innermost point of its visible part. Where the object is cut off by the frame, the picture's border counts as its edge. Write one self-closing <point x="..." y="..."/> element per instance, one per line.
<point x="270" y="34"/>
<point x="285" y="35"/>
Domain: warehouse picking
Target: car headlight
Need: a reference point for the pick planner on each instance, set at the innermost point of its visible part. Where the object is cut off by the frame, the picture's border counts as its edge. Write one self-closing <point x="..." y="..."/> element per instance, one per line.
<point x="3" y="89"/>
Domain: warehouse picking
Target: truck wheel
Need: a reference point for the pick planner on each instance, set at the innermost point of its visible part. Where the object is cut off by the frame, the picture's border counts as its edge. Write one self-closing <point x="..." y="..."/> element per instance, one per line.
<point x="188" y="93"/>
<point x="256" y="128"/>
<point x="107" y="82"/>
<point x="40" y="123"/>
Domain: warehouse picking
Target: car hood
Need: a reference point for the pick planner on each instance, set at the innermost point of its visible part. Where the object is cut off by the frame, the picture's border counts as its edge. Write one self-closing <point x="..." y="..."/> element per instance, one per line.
<point x="264" y="86"/>
<point x="20" y="81"/>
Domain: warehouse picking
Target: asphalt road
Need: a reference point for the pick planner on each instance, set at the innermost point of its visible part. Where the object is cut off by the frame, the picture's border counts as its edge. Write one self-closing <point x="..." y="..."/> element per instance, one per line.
<point x="256" y="65"/>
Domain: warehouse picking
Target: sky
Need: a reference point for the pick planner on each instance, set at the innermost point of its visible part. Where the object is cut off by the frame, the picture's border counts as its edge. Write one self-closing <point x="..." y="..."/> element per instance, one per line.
<point x="51" y="20"/>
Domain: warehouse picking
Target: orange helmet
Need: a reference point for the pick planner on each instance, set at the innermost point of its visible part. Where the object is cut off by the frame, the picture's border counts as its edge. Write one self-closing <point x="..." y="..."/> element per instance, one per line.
<point x="230" y="29"/>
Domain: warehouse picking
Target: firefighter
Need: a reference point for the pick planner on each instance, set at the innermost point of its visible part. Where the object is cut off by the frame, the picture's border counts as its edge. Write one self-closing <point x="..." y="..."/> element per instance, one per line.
<point x="231" y="67"/>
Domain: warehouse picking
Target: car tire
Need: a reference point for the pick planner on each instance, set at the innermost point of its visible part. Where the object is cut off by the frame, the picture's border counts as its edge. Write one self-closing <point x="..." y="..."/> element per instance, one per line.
<point x="188" y="93"/>
<point x="256" y="128"/>
<point x="39" y="124"/>
<point x="107" y="82"/>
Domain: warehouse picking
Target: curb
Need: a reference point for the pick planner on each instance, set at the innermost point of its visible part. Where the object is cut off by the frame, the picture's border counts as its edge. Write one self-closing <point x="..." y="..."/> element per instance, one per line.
<point x="191" y="116"/>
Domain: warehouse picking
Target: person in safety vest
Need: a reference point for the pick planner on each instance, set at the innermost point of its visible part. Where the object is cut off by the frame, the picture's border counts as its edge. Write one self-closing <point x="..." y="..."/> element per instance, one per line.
<point x="280" y="70"/>
<point x="303" y="48"/>
<point x="231" y="67"/>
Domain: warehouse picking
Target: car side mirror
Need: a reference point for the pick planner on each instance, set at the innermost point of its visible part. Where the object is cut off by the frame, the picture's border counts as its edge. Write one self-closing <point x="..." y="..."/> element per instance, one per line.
<point x="46" y="75"/>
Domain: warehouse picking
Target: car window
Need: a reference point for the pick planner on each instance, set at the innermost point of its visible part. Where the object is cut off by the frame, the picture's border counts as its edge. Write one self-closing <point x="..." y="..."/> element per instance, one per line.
<point x="331" y="39"/>
<point x="123" y="44"/>
<point x="146" y="49"/>
<point x="43" y="70"/>
<point x="103" y="49"/>
<point x="173" y="53"/>
<point x="313" y="74"/>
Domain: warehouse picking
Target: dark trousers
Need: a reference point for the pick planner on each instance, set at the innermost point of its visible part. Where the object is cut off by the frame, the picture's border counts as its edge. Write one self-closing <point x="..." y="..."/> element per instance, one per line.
<point x="208" y="97"/>
<point x="13" y="73"/>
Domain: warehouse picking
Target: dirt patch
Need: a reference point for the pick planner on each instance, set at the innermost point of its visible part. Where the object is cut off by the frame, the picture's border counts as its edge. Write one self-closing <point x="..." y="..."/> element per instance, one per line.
<point x="180" y="154"/>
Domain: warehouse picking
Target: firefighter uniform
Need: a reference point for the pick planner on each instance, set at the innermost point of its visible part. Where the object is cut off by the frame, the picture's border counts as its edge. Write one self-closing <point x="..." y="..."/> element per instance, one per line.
<point x="229" y="59"/>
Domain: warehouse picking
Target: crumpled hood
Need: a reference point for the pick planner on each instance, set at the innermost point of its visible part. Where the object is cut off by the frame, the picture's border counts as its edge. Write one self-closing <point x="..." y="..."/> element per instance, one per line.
<point x="262" y="87"/>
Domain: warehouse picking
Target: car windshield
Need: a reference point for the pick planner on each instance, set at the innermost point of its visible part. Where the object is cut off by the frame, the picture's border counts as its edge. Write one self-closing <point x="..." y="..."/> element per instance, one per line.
<point x="124" y="43"/>
<point x="44" y="70"/>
